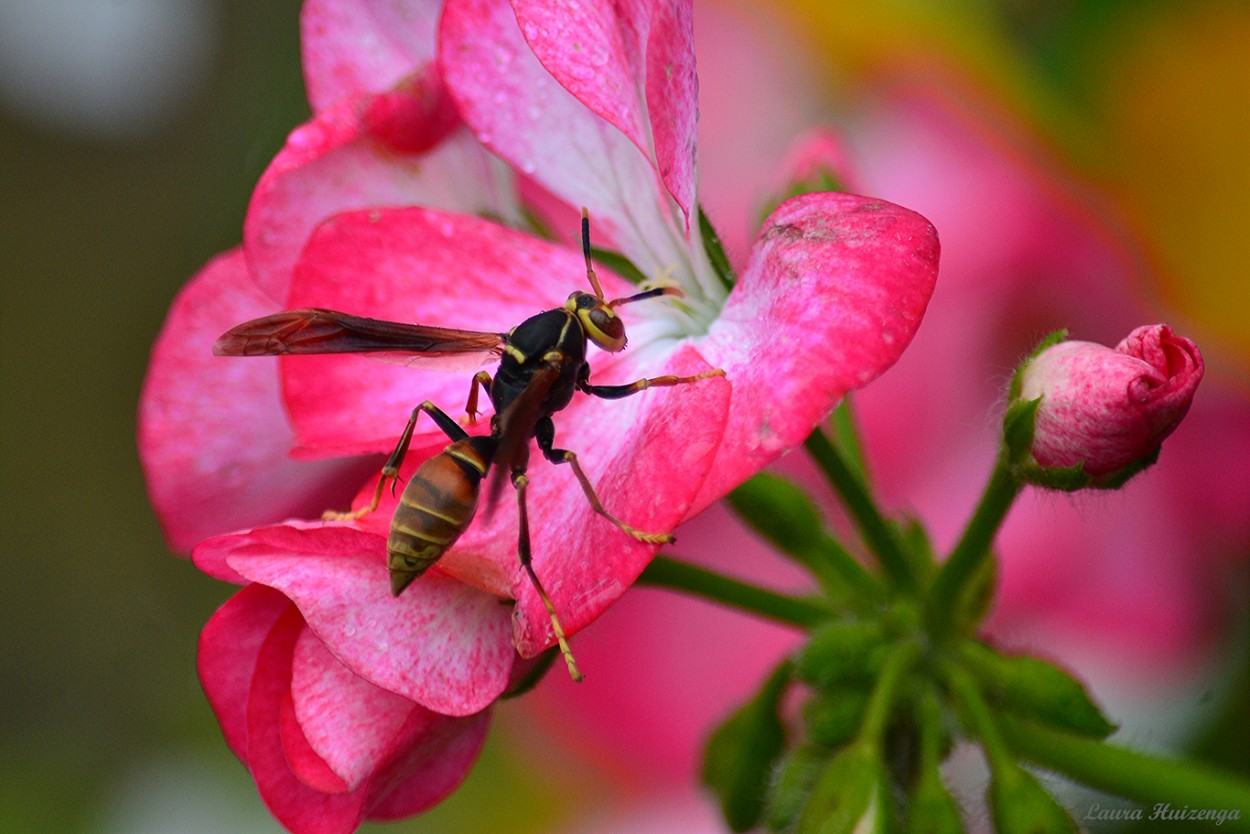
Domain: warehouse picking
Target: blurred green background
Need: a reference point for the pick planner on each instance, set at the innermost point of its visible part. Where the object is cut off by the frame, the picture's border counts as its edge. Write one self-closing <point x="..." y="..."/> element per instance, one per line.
<point x="104" y="215"/>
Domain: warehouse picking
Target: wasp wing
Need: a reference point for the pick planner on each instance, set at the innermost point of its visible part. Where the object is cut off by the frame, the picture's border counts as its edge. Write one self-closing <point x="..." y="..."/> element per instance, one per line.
<point x="314" y="330"/>
<point x="515" y="427"/>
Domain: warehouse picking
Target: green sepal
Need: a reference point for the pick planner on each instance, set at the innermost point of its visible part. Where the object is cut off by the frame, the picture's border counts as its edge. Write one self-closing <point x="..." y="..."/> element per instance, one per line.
<point x="1052" y="338"/>
<point x="917" y="547"/>
<point x="1020" y="805"/>
<point x="741" y="753"/>
<point x="779" y="511"/>
<point x="930" y="808"/>
<point x="1117" y="479"/>
<point x="1032" y="688"/>
<point x="850" y="796"/>
<point x="840" y="651"/>
<point x="1018" y="426"/>
<point x="792" y="784"/>
<point x="716" y="252"/>
<point x="821" y="180"/>
<point x="831" y="719"/>
<point x="532" y="676"/>
<point x="619" y="264"/>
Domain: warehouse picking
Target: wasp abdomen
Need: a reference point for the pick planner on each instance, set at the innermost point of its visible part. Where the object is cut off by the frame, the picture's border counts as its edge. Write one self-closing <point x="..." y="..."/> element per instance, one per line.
<point x="437" y="506"/>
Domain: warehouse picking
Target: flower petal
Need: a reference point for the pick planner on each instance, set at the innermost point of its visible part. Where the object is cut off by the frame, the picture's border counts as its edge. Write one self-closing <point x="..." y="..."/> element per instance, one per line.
<point x="213" y="436"/>
<point x="412" y="265"/>
<point x="296" y="805"/>
<point x="229" y="649"/>
<point x="672" y="99"/>
<point x="305" y="762"/>
<point x="442" y="644"/>
<point x="434" y="766"/>
<point x="834" y="292"/>
<point x="347" y="158"/>
<point x="525" y="116"/>
<point x="633" y="65"/>
<point x="351" y="724"/>
<point x="354" y="46"/>
<point x="362" y="731"/>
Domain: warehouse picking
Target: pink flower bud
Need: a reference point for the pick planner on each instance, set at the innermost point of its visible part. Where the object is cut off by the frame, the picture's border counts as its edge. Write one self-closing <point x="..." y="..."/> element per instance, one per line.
<point x="1110" y="409"/>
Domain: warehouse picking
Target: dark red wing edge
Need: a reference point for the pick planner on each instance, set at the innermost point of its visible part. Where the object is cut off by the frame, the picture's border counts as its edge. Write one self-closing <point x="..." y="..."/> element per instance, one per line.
<point x="313" y="330"/>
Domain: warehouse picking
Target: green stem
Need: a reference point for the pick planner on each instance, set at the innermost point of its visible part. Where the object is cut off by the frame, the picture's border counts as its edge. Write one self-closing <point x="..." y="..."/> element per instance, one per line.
<point x="846" y="436"/>
<point x="981" y="720"/>
<point x="1137" y="776"/>
<point x="840" y="575"/>
<point x="863" y="511"/>
<point x="885" y="691"/>
<point x="973" y="548"/>
<point x="667" y="572"/>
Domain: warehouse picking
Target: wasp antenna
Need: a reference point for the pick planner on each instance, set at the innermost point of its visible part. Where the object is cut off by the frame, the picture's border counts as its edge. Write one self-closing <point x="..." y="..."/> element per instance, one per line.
<point x="590" y="268"/>
<point x="643" y="296"/>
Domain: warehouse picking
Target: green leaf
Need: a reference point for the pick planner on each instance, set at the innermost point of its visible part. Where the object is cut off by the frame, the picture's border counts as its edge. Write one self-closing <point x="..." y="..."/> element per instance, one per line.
<point x="741" y="753"/>
<point x="1032" y="688"/>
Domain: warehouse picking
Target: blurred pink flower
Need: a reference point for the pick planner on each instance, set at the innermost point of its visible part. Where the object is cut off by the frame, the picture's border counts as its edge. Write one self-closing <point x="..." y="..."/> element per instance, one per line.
<point x="479" y="107"/>
<point x="1106" y="409"/>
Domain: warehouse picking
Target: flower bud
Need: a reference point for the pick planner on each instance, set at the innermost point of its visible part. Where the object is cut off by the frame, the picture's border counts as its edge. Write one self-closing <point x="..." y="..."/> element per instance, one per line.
<point x="1106" y="410"/>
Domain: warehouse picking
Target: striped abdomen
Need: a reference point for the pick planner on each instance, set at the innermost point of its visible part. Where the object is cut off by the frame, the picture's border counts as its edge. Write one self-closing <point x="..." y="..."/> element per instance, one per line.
<point x="436" y="507"/>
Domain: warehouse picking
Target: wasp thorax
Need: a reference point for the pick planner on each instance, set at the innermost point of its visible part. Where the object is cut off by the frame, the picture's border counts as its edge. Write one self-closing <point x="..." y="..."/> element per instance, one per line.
<point x="600" y="322"/>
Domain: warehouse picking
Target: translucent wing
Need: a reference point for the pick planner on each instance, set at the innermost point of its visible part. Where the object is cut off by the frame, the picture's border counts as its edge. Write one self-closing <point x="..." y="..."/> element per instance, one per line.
<point x="313" y="330"/>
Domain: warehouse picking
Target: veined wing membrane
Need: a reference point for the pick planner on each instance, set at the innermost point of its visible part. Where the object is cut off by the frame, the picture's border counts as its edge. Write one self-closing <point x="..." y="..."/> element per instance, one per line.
<point x="314" y="330"/>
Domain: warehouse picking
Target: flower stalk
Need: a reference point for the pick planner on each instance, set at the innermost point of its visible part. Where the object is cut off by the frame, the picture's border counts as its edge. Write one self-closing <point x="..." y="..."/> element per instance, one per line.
<point x="863" y="510"/>
<point x="973" y="548"/>
<point x="1147" y="779"/>
<point x="678" y="575"/>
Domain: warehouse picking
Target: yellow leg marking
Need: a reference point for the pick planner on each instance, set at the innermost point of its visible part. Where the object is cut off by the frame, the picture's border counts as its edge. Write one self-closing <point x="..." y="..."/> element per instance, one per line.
<point x="389" y="473"/>
<point x="523" y="547"/>
<point x="597" y="506"/>
<point x="481" y="380"/>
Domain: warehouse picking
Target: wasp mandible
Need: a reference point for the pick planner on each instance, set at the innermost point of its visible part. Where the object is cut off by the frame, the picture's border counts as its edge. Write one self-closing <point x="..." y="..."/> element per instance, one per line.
<point x="542" y="363"/>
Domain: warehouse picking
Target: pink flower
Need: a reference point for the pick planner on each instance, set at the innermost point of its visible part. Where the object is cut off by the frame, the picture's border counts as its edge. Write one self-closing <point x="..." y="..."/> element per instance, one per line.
<point x="1107" y="410"/>
<point x="485" y="108"/>
<point x="327" y="749"/>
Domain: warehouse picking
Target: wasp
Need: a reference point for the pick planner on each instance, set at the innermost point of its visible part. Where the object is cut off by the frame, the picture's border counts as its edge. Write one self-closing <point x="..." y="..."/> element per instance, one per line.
<point x="542" y="364"/>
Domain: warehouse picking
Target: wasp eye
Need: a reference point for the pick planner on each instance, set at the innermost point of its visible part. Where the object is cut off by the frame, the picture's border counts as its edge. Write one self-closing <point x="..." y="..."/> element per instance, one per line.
<point x="604" y="328"/>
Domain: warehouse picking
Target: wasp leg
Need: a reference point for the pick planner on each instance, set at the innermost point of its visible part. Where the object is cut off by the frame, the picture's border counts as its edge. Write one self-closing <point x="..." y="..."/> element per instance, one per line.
<point x="545" y="433"/>
<point x="520" y="481"/>
<point x="482" y="380"/>
<point x="616" y="392"/>
<point x="390" y="472"/>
